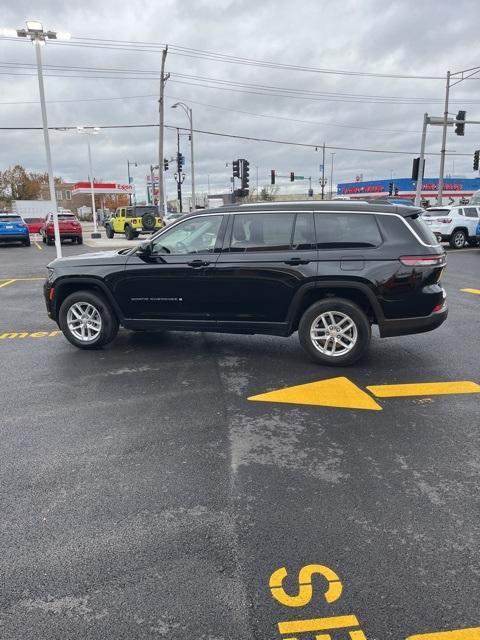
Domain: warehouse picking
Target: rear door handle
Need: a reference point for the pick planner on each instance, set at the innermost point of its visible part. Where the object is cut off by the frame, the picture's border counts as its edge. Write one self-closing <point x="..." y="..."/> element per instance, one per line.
<point x="296" y="261"/>
<point x="198" y="263"/>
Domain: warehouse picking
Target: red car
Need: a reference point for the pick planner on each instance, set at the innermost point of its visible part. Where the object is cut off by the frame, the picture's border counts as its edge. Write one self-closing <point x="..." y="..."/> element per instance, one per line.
<point x="69" y="226"/>
<point x="34" y="224"/>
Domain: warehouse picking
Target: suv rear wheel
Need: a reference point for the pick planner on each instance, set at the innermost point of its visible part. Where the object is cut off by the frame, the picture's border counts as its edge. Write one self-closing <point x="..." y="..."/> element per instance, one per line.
<point x="458" y="239"/>
<point x="87" y="321"/>
<point x="129" y="232"/>
<point x="334" y="331"/>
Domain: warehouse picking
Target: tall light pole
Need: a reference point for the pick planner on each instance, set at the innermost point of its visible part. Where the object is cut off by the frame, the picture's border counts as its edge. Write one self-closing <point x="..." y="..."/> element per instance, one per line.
<point x="458" y="76"/>
<point x="91" y="131"/>
<point x="331" y="176"/>
<point x="130" y="164"/>
<point x="188" y="111"/>
<point x="38" y="36"/>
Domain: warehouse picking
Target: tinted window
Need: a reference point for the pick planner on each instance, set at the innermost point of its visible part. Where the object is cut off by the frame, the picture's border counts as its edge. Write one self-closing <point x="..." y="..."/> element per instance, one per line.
<point x="436" y="212"/>
<point x="345" y="230"/>
<point x="471" y="212"/>
<point x="262" y="232"/>
<point x="303" y="235"/>
<point x="10" y="218"/>
<point x="139" y="211"/>
<point x="194" y="235"/>
<point x="421" y="229"/>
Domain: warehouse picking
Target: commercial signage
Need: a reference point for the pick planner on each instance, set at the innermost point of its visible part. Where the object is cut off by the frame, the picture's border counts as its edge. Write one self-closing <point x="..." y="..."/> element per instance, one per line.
<point x="102" y="188"/>
<point x="453" y="186"/>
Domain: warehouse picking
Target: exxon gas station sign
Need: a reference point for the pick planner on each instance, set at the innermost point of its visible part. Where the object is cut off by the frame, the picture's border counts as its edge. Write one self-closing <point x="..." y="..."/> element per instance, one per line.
<point x="102" y="188"/>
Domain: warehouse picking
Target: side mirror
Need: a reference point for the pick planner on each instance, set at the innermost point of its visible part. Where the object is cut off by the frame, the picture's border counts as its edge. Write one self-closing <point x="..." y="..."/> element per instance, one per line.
<point x="144" y="251"/>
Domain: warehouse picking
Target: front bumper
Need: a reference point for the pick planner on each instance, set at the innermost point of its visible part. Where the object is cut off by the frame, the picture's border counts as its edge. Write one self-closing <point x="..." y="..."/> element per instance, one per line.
<point x="407" y="326"/>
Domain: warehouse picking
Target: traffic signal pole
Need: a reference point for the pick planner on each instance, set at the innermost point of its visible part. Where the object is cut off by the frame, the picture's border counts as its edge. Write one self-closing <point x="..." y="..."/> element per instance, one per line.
<point x="418" y="190"/>
<point x="444" y="142"/>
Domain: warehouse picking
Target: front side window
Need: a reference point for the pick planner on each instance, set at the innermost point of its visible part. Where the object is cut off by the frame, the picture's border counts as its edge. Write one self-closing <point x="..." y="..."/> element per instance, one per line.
<point x="195" y="235"/>
<point x="471" y="212"/>
<point x="346" y="230"/>
<point x="262" y="232"/>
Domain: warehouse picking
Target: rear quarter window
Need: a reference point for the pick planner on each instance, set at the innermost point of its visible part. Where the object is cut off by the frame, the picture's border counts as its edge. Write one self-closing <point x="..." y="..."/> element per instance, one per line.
<point x="346" y="230"/>
<point x="422" y="231"/>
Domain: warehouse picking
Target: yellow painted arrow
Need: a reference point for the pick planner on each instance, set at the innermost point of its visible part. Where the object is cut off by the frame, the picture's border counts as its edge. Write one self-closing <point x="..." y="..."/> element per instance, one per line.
<point x="333" y="392"/>
<point x="342" y="393"/>
<point x="458" y="634"/>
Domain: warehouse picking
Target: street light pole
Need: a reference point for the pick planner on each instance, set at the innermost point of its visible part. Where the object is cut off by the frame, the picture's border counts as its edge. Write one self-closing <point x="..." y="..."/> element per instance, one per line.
<point x="189" y="113"/>
<point x="38" y="36"/>
<point x="91" y="131"/>
<point x="331" y="177"/>
<point x="134" y="164"/>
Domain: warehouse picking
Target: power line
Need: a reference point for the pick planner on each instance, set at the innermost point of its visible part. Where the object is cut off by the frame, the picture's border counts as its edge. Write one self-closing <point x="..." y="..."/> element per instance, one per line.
<point x="237" y="137"/>
<point x="178" y="50"/>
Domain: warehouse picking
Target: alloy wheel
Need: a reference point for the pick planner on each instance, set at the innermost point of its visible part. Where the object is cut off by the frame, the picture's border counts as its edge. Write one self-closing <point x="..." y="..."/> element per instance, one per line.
<point x="84" y="321"/>
<point x="333" y="333"/>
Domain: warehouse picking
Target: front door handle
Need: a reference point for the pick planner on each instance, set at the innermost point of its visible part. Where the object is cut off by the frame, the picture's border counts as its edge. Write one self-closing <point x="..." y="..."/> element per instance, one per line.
<point x="296" y="261"/>
<point x="198" y="263"/>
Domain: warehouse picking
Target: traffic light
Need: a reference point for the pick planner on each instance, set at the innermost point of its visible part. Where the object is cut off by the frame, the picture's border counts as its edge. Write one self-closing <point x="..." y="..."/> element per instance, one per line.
<point x="390" y="188"/>
<point x="272" y="176"/>
<point x="460" y="126"/>
<point x="476" y="159"/>
<point x="416" y="169"/>
<point x="236" y="168"/>
<point x="165" y="164"/>
<point x="395" y="190"/>
<point x="245" y="176"/>
<point x="292" y="176"/>
<point x="180" y="161"/>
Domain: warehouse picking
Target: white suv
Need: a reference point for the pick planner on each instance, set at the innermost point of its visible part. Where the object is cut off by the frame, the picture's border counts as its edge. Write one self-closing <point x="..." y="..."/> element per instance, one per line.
<point x="456" y="225"/>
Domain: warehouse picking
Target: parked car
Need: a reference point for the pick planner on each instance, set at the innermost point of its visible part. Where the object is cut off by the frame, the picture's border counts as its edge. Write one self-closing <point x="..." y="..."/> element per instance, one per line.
<point x="68" y="225"/>
<point x="477" y="233"/>
<point x="328" y="270"/>
<point x="454" y="224"/>
<point x="13" y="229"/>
<point x="34" y="224"/>
<point x="134" y="220"/>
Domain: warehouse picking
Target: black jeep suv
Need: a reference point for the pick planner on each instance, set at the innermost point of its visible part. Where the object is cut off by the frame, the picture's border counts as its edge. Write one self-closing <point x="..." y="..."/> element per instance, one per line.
<point x="328" y="270"/>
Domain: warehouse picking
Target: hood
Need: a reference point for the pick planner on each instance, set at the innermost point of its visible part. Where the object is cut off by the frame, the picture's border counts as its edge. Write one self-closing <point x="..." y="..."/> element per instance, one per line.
<point x="86" y="259"/>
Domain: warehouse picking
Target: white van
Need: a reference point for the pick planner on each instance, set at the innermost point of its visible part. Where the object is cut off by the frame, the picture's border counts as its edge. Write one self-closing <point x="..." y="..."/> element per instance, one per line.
<point x="456" y="225"/>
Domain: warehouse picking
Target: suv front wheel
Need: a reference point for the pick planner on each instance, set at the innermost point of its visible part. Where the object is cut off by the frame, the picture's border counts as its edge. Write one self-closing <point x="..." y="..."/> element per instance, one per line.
<point x="109" y="231"/>
<point x="87" y="321"/>
<point x="334" y="331"/>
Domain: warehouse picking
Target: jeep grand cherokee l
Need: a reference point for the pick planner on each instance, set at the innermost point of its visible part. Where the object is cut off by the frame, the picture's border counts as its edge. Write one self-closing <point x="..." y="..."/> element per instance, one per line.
<point x="327" y="270"/>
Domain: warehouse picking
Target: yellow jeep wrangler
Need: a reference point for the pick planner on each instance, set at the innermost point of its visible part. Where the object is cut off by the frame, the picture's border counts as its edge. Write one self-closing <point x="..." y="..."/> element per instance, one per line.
<point x="134" y="220"/>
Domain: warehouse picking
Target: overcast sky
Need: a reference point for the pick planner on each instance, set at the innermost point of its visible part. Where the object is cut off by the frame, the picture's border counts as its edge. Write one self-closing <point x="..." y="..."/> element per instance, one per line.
<point x="403" y="38"/>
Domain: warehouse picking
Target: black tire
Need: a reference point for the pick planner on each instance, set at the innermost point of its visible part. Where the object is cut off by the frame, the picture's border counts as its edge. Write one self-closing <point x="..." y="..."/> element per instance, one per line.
<point x="148" y="221"/>
<point x="50" y="241"/>
<point x="44" y="240"/>
<point x="129" y="232"/>
<point x="458" y="239"/>
<point x="109" y="231"/>
<point x="80" y="240"/>
<point x="26" y="242"/>
<point x="109" y="321"/>
<point x="360" y="333"/>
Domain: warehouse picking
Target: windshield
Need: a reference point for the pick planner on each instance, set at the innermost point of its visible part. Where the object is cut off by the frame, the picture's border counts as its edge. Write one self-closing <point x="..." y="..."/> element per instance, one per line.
<point x="435" y="212"/>
<point x="10" y="218"/>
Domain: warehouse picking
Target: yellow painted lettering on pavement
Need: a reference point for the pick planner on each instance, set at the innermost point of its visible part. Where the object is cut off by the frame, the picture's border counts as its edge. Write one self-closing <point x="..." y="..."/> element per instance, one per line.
<point x="473" y="633"/>
<point x="318" y="624"/>
<point x="305" y="588"/>
<point x="423" y="389"/>
<point x="333" y="392"/>
<point x="13" y="335"/>
<point x="476" y="291"/>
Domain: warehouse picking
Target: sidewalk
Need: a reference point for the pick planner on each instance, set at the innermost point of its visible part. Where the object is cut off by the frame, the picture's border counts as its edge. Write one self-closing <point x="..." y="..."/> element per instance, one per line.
<point x="104" y="243"/>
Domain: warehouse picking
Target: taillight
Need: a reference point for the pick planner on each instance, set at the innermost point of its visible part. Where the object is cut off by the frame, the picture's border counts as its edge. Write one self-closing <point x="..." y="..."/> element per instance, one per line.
<point x="445" y="220"/>
<point x="423" y="261"/>
<point x="51" y="293"/>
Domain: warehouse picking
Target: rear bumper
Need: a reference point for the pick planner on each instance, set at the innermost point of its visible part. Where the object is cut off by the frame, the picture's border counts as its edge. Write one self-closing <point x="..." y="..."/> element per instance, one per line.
<point x="407" y="326"/>
<point x="13" y="237"/>
<point x="66" y="236"/>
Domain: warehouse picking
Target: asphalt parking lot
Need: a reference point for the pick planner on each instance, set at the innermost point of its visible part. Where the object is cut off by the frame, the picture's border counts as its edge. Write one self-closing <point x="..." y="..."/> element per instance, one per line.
<point x="145" y="496"/>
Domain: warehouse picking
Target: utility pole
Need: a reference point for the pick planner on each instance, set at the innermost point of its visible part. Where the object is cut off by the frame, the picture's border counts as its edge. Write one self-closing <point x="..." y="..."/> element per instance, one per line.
<point x="331" y="177"/>
<point x="418" y="190"/>
<point x="323" y="170"/>
<point x="163" y="79"/>
<point x="444" y="141"/>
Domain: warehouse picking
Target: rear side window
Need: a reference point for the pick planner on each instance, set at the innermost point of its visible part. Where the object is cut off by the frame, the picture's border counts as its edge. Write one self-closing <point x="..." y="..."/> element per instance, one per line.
<point x="262" y="232"/>
<point x="346" y="230"/>
<point x="423" y="232"/>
